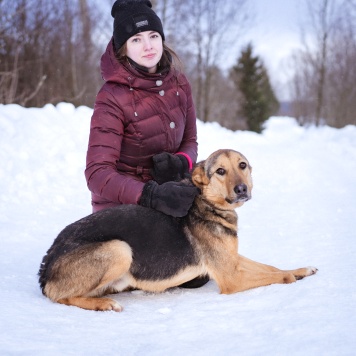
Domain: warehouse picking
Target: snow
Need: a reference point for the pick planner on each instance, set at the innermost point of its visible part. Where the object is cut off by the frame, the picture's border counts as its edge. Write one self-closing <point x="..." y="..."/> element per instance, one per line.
<point x="303" y="212"/>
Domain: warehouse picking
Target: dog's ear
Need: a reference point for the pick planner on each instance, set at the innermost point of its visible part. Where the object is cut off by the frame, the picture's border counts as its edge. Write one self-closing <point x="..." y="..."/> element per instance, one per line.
<point x="199" y="177"/>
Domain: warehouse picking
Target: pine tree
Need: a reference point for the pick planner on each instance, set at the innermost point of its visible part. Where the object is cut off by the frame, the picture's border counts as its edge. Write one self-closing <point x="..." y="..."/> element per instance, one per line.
<point x="257" y="100"/>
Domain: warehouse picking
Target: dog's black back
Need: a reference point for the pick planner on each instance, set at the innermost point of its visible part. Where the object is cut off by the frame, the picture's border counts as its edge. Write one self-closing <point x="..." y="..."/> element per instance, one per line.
<point x="159" y="246"/>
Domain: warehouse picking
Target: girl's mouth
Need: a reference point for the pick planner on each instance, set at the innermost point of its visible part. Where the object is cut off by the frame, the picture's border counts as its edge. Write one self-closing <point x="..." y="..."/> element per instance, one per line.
<point x="149" y="56"/>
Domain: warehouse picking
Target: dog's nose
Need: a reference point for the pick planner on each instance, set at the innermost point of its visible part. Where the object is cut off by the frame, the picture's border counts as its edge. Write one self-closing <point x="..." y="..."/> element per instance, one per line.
<point x="240" y="189"/>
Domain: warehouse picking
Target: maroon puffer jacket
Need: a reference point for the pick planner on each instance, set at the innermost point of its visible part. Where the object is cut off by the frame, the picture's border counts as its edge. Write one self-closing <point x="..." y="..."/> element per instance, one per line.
<point x="136" y="116"/>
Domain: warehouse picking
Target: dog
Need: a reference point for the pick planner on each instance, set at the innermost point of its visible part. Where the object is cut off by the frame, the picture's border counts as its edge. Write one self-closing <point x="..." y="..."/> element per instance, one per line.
<point x="132" y="247"/>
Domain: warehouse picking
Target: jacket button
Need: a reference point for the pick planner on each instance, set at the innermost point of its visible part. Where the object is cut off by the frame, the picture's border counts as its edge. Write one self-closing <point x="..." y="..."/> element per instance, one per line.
<point x="172" y="125"/>
<point x="159" y="83"/>
<point x="161" y="93"/>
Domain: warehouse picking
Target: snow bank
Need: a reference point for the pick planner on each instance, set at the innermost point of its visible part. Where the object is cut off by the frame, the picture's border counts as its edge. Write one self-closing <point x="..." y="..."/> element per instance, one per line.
<point x="302" y="213"/>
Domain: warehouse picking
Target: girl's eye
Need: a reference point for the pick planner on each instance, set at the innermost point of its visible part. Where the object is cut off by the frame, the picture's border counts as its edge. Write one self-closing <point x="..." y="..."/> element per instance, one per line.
<point x="220" y="171"/>
<point x="155" y="35"/>
<point x="243" y="165"/>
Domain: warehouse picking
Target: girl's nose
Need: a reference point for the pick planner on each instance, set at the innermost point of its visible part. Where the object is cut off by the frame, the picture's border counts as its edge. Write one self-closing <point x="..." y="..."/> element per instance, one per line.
<point x="147" y="44"/>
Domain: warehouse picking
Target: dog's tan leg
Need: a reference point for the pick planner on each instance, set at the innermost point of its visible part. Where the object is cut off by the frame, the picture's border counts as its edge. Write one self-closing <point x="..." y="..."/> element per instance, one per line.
<point x="248" y="264"/>
<point x="246" y="279"/>
<point x="299" y="273"/>
<point x="88" y="272"/>
<point x="236" y="278"/>
<point x="102" y="304"/>
<point x="243" y="274"/>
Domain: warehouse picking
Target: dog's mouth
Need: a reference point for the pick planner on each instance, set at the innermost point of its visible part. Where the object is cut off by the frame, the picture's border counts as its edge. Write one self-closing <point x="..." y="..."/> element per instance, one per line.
<point x="241" y="198"/>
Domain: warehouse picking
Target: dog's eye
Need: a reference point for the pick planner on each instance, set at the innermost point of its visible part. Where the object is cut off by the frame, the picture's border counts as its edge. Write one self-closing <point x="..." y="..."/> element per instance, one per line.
<point x="243" y="165"/>
<point x="221" y="171"/>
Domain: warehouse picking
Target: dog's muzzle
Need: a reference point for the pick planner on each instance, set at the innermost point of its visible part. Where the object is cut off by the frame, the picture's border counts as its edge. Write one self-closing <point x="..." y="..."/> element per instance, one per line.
<point x="242" y="194"/>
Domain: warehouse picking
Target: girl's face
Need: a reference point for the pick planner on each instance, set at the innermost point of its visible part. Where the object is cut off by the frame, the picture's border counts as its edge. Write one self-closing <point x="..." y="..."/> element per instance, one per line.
<point x="145" y="48"/>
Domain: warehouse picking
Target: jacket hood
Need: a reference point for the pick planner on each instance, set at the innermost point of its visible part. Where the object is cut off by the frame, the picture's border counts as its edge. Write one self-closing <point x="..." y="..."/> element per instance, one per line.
<point x="126" y="74"/>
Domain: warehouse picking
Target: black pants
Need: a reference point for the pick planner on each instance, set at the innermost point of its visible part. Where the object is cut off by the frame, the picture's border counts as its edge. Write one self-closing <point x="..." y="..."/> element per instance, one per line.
<point x="196" y="282"/>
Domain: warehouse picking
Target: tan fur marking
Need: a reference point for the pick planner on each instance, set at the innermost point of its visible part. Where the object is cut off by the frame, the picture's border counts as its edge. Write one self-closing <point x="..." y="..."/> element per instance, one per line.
<point x="102" y="304"/>
<point x="89" y="271"/>
<point x="198" y="176"/>
<point x="120" y="256"/>
<point x="185" y="275"/>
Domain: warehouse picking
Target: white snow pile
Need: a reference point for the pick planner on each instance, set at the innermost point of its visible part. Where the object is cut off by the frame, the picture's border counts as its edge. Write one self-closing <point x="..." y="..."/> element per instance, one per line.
<point x="303" y="212"/>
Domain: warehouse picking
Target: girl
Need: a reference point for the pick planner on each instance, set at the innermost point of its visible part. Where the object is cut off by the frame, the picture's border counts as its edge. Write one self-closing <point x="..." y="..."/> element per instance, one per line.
<point x="143" y="136"/>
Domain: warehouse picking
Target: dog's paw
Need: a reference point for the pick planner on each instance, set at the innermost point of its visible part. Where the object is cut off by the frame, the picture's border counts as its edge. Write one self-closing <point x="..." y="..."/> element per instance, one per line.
<point x="311" y="270"/>
<point x="304" y="272"/>
<point x="108" y="304"/>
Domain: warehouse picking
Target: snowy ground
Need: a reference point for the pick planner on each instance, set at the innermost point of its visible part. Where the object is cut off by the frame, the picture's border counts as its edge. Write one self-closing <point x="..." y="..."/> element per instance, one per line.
<point x="303" y="212"/>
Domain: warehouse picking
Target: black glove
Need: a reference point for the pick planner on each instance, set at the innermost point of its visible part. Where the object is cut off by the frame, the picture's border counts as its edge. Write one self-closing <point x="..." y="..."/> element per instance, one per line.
<point x="168" y="167"/>
<point x="171" y="198"/>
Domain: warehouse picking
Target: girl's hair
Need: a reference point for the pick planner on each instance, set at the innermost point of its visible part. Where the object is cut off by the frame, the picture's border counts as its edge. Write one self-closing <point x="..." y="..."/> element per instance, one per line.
<point x="168" y="60"/>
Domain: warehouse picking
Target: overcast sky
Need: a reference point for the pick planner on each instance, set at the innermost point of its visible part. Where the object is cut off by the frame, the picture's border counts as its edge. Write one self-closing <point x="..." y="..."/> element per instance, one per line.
<point x="275" y="34"/>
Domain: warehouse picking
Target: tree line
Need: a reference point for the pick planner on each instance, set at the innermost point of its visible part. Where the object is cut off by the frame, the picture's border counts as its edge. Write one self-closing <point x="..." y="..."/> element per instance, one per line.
<point x="47" y="52"/>
<point x="323" y="87"/>
<point x="50" y="52"/>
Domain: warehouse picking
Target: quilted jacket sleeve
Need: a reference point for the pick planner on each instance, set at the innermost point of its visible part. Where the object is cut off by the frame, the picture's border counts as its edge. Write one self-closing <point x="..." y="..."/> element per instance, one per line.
<point x="106" y="132"/>
<point x="189" y="144"/>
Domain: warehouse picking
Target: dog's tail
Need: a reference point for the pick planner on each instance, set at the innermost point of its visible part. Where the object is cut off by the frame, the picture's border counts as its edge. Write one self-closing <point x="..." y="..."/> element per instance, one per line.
<point x="42" y="273"/>
<point x="63" y="244"/>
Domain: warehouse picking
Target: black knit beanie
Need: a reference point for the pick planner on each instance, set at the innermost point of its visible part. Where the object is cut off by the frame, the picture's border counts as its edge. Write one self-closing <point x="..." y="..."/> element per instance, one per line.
<point x="132" y="17"/>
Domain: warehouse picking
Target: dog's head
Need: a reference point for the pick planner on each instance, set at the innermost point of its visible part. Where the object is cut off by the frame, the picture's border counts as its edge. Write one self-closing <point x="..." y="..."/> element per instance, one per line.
<point x="224" y="179"/>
